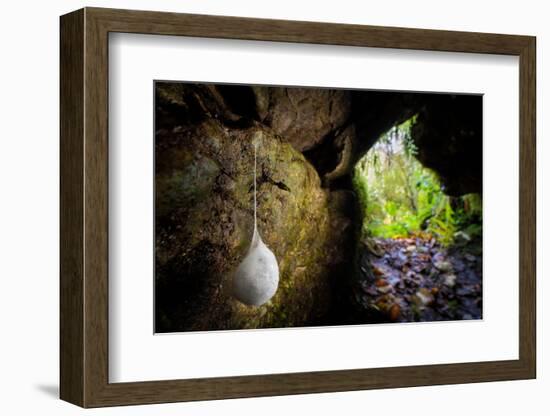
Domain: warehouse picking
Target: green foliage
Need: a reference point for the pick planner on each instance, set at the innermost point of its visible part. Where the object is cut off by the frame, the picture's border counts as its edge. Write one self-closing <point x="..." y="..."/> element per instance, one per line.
<point x="400" y="197"/>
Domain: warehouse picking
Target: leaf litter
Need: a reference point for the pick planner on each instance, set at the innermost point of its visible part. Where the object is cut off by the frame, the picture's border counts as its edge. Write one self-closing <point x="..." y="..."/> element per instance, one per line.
<point x="417" y="279"/>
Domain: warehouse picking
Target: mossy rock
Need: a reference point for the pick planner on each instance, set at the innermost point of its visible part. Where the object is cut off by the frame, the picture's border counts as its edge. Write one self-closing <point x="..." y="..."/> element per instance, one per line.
<point x="204" y="220"/>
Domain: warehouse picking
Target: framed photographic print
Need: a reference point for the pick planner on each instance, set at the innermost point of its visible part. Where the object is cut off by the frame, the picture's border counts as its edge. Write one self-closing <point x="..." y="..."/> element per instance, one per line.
<point x="256" y="207"/>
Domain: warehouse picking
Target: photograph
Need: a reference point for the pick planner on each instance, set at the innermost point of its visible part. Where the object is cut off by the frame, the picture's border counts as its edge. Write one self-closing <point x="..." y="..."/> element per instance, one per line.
<point x="268" y="209"/>
<point x="291" y="206"/>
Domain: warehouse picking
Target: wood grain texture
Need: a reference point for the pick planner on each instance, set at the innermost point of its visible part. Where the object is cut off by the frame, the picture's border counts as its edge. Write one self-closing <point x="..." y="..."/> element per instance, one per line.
<point x="225" y="27"/>
<point x="71" y="213"/>
<point x="84" y="207"/>
<point x="96" y="218"/>
<point x="527" y="208"/>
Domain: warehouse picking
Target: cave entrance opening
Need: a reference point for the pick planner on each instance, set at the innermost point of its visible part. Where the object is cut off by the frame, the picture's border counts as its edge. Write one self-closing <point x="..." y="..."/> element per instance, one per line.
<point x="418" y="246"/>
<point x="401" y="198"/>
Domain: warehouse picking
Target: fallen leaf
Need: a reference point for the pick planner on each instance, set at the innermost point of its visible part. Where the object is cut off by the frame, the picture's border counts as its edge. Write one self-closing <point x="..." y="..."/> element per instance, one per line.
<point x="449" y="280"/>
<point x="380" y="282"/>
<point x="395" y="312"/>
<point x="377" y="271"/>
<point x="425" y="296"/>
<point x="444" y="266"/>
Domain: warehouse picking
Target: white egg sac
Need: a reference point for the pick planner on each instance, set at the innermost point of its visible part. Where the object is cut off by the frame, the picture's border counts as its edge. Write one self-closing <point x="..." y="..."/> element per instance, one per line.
<point x="257" y="277"/>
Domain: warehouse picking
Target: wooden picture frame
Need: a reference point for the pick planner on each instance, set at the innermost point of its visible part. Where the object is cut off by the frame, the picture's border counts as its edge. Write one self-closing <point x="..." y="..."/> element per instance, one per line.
<point x="84" y="207"/>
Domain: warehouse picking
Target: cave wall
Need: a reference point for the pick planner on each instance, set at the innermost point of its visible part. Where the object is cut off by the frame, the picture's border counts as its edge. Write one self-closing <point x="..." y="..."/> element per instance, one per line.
<point x="310" y="140"/>
<point x="204" y="216"/>
<point x="449" y="135"/>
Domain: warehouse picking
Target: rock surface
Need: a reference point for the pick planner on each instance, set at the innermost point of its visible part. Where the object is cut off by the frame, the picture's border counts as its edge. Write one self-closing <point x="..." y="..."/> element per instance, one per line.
<point x="448" y="134"/>
<point x="204" y="220"/>
<point x="304" y="116"/>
